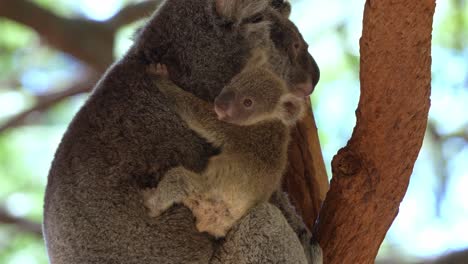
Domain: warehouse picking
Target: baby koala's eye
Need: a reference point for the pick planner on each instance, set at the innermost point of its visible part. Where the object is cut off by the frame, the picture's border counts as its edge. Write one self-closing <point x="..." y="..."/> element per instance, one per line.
<point x="248" y="102"/>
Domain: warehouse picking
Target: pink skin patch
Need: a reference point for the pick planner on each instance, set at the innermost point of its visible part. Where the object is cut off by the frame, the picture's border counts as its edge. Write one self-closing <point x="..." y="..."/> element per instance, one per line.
<point x="303" y="89"/>
<point x="223" y="113"/>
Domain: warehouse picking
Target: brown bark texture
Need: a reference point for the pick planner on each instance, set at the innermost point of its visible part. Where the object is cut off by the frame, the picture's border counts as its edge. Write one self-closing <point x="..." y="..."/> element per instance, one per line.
<point x="306" y="179"/>
<point x="371" y="174"/>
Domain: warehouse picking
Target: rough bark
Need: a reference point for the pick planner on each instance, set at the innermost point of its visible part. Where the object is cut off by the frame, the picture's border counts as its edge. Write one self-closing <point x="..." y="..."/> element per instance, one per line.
<point x="306" y="179"/>
<point x="371" y="174"/>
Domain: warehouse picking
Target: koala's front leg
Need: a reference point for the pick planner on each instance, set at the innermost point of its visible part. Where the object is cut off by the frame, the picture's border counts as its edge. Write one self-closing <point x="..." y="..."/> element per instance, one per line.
<point x="198" y="114"/>
<point x="172" y="189"/>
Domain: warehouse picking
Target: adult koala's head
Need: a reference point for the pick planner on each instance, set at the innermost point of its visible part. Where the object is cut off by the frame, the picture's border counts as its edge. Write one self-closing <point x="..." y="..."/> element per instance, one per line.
<point x="205" y="43"/>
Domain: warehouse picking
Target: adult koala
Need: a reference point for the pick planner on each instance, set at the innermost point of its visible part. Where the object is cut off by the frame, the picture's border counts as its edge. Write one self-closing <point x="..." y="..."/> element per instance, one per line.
<point x="125" y="138"/>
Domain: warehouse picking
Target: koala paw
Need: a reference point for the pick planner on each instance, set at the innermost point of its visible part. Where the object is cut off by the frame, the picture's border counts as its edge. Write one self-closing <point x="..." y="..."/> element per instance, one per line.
<point x="159" y="70"/>
<point x="213" y="218"/>
<point x="154" y="202"/>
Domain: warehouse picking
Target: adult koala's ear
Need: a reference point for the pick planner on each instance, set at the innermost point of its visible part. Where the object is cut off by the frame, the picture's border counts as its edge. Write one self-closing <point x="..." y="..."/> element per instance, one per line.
<point x="238" y="11"/>
<point x="283" y="6"/>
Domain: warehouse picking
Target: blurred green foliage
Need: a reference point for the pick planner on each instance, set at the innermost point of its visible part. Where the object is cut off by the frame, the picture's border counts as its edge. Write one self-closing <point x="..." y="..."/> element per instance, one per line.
<point x="29" y="67"/>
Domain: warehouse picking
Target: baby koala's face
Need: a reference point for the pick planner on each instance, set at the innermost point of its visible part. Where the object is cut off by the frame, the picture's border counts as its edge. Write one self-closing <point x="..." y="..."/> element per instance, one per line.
<point x="258" y="95"/>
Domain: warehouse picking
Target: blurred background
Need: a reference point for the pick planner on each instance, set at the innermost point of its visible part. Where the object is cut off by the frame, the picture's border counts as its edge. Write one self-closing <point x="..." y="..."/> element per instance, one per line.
<point x="53" y="51"/>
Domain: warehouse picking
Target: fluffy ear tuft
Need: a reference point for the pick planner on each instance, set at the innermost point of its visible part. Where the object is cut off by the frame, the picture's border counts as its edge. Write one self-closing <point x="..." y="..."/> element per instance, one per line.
<point x="292" y="108"/>
<point x="286" y="10"/>
<point x="238" y="10"/>
<point x="283" y="6"/>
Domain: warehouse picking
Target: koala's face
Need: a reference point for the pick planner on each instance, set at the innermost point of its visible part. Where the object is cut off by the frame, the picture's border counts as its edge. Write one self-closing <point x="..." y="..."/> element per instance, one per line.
<point x="251" y="97"/>
<point x="270" y="29"/>
<point x="289" y="56"/>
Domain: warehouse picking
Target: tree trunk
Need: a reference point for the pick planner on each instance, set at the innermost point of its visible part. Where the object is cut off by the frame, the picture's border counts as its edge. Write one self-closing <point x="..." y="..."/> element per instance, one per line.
<point x="371" y="174"/>
<point x="306" y="179"/>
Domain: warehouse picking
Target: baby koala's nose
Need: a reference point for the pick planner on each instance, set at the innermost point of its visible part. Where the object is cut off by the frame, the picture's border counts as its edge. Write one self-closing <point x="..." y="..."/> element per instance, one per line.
<point x="220" y="112"/>
<point x="223" y="105"/>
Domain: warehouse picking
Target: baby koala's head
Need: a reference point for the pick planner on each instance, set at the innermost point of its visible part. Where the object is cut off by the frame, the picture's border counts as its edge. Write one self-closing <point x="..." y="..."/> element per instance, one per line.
<point x="256" y="94"/>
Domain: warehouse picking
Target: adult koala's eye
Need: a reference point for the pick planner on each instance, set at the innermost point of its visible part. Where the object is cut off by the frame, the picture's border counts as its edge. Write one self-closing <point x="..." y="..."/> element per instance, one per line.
<point x="289" y="107"/>
<point x="256" y="19"/>
<point x="247" y="102"/>
<point x="277" y="3"/>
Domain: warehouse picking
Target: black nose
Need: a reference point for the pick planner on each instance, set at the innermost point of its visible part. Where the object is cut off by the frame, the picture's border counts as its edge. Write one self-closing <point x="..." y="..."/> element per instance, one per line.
<point x="223" y="100"/>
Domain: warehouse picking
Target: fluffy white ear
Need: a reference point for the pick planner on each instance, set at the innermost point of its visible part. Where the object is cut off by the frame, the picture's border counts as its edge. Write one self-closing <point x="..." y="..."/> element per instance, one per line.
<point x="292" y="108"/>
<point x="238" y="10"/>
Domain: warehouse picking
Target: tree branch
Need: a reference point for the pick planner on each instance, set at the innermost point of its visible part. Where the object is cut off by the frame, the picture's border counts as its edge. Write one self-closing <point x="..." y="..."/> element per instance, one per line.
<point x="440" y="164"/>
<point x="21" y="224"/>
<point x="439" y="159"/>
<point x="454" y="257"/>
<point x="90" y="41"/>
<point x="134" y="12"/>
<point x="371" y="174"/>
<point x="306" y="180"/>
<point x="44" y="102"/>
<point x="462" y="133"/>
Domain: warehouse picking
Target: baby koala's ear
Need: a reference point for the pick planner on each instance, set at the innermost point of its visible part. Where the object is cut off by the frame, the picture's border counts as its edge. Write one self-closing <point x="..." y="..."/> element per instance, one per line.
<point x="238" y="10"/>
<point x="292" y="108"/>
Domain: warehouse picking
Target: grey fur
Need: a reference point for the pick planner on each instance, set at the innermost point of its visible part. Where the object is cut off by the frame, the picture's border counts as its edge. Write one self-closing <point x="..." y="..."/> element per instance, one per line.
<point x="125" y="137"/>
<point x="247" y="243"/>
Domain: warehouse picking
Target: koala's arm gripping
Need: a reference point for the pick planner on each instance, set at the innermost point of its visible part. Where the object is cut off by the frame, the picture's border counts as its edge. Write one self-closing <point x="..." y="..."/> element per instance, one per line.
<point x="198" y="114"/>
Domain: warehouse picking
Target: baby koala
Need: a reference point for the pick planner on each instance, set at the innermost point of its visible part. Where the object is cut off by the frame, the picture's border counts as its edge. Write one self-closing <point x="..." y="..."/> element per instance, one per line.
<point x="250" y="122"/>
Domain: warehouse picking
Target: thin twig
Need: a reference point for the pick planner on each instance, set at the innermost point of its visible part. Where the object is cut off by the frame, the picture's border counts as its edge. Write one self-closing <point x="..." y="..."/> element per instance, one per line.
<point x="67" y="34"/>
<point x="133" y="12"/>
<point x="21" y="224"/>
<point x="440" y="162"/>
<point x="44" y="102"/>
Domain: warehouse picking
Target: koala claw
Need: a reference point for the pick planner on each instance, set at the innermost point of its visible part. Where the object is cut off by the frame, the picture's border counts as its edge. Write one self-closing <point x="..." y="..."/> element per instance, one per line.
<point x="160" y="70"/>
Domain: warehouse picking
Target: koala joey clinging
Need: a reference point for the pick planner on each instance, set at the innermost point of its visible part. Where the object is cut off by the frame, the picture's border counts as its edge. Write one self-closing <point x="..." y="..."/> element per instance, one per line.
<point x="250" y="123"/>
